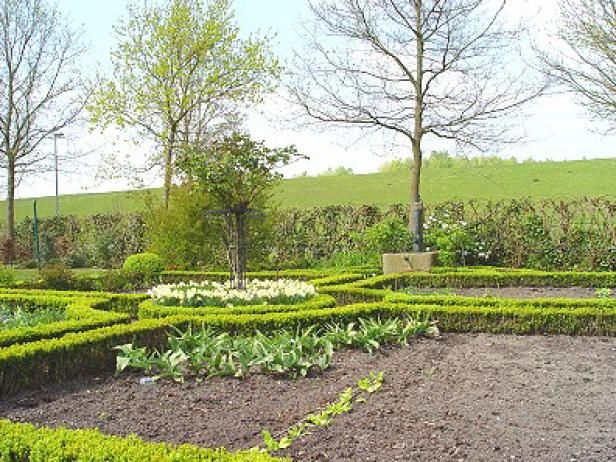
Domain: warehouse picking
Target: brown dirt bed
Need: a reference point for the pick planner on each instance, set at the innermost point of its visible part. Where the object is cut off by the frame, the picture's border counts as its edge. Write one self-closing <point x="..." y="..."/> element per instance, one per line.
<point x="463" y="397"/>
<point x="517" y="292"/>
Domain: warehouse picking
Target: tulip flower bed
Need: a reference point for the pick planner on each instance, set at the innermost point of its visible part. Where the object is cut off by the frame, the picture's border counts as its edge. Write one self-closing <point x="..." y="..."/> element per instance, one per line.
<point x="211" y="293"/>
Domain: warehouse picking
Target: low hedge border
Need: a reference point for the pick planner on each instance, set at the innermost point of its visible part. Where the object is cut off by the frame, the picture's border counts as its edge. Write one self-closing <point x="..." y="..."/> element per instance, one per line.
<point x="36" y="363"/>
<point x="490" y="278"/>
<point x="30" y="365"/>
<point x="148" y="309"/>
<point x="26" y="443"/>
<point x="337" y="279"/>
<point x="347" y="294"/>
<point x="537" y="303"/>
<point x="81" y="315"/>
<point x="121" y="303"/>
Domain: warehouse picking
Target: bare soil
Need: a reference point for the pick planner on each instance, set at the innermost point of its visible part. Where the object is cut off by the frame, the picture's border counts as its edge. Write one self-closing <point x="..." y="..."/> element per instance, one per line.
<point x="463" y="397"/>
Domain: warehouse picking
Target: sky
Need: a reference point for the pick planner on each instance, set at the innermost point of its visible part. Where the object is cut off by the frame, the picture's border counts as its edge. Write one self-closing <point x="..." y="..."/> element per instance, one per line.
<point x="556" y="128"/>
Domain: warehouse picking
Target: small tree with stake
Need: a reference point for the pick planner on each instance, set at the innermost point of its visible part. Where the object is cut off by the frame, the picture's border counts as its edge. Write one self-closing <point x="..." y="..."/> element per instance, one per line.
<point x="238" y="173"/>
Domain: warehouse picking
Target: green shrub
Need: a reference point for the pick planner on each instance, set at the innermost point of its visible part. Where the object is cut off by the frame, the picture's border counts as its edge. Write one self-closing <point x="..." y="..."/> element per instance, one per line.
<point x="389" y="236"/>
<point x="57" y="277"/>
<point x="114" y="281"/>
<point x="352" y="258"/>
<point x="53" y="360"/>
<point x="143" y="266"/>
<point x="8" y="277"/>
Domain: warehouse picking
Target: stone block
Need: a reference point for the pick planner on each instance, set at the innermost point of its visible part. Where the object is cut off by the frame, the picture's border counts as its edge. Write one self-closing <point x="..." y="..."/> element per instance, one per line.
<point x="405" y="262"/>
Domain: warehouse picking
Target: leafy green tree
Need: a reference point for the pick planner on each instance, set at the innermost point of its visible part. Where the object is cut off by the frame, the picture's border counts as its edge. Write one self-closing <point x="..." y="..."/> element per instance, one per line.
<point x="186" y="236"/>
<point x="238" y="174"/>
<point x="180" y="74"/>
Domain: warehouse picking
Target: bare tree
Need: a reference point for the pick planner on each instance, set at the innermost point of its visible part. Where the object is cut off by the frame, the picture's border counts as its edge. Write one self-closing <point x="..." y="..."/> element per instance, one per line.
<point x="415" y="68"/>
<point x="587" y="64"/>
<point x="40" y="88"/>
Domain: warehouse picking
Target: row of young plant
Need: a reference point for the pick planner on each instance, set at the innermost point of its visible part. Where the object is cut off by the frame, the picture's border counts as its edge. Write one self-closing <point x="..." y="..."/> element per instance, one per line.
<point x="206" y="352"/>
<point x="547" y="234"/>
<point x="344" y="404"/>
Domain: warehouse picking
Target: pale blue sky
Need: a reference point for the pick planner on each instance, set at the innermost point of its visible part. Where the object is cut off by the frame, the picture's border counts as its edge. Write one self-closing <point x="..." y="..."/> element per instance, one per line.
<point x="557" y="128"/>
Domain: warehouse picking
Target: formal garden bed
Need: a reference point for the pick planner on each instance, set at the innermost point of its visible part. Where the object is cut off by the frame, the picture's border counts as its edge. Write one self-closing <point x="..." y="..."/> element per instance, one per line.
<point x="210" y="374"/>
<point x="464" y="397"/>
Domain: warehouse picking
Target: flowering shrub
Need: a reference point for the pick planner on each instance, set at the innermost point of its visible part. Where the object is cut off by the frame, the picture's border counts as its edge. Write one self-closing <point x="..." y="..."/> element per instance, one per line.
<point x="257" y="292"/>
<point x="455" y="240"/>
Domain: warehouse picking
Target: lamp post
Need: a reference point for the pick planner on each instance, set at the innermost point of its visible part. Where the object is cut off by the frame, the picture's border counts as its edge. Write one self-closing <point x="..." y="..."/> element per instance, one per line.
<point x="56" y="136"/>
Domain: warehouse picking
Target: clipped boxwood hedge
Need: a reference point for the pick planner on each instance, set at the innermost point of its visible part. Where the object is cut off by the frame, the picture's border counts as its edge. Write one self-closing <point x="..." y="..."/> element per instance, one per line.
<point x="121" y="303"/>
<point x="30" y="365"/>
<point x="491" y="277"/>
<point x="337" y="279"/>
<point x="81" y="314"/>
<point x="349" y="293"/>
<point x="33" y="364"/>
<point x="537" y="303"/>
<point x="77" y="353"/>
<point x="26" y="443"/>
<point x="149" y="309"/>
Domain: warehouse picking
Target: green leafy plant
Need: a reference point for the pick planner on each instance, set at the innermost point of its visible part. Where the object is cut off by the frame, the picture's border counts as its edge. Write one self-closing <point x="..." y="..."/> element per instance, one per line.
<point x="8" y="277"/>
<point x="136" y="358"/>
<point x="206" y="353"/>
<point x="321" y="419"/>
<point x="11" y="318"/>
<point x="372" y="383"/>
<point x="603" y="293"/>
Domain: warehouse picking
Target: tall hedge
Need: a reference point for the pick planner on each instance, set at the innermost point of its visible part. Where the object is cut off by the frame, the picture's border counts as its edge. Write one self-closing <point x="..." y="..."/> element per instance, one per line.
<point x="575" y="234"/>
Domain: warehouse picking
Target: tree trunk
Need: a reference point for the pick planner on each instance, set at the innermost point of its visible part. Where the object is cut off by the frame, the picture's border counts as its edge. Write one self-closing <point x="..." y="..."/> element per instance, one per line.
<point x="241" y="248"/>
<point x="10" y="210"/>
<point x="168" y="176"/>
<point x="169" y="166"/>
<point x="416" y="209"/>
<point x="237" y="250"/>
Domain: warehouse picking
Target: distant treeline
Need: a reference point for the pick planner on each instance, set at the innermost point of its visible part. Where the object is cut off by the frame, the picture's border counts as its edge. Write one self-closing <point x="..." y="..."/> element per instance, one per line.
<point x="442" y="159"/>
<point x="436" y="159"/>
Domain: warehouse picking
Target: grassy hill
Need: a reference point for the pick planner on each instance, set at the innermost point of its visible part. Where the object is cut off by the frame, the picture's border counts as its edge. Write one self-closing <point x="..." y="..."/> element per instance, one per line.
<point x="537" y="180"/>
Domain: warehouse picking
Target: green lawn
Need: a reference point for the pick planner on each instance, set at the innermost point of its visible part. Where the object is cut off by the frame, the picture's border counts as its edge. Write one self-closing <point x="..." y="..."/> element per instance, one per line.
<point x="537" y="180"/>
